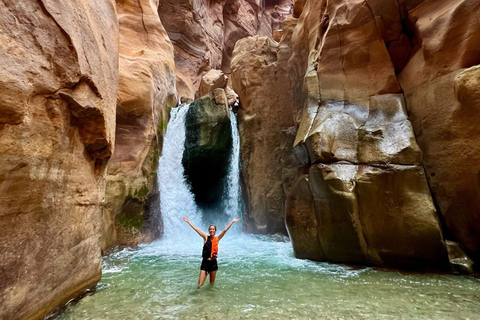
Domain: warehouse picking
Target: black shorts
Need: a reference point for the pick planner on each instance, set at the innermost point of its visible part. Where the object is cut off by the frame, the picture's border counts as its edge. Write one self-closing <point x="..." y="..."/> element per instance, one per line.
<point x="209" y="265"/>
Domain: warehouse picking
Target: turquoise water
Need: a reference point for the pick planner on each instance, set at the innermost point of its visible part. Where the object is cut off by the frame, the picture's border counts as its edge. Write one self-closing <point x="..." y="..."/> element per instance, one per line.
<point x="259" y="278"/>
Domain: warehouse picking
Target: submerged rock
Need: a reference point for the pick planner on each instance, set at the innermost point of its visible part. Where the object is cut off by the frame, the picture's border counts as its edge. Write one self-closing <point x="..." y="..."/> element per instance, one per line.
<point x="208" y="144"/>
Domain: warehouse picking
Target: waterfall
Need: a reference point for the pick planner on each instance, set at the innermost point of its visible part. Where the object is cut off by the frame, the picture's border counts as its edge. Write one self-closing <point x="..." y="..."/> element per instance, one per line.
<point x="176" y="199"/>
<point x="232" y="197"/>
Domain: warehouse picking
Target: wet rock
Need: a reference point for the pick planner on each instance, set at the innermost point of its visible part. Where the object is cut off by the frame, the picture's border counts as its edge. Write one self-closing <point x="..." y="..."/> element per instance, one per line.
<point x="301" y="221"/>
<point x="374" y="215"/>
<point x="459" y="261"/>
<point x="208" y="145"/>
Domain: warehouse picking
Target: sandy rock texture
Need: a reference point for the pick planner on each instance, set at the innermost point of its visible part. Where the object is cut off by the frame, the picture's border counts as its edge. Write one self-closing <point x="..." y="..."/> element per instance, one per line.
<point x="205" y="32"/>
<point x="146" y="93"/>
<point x="345" y="83"/>
<point x="58" y="89"/>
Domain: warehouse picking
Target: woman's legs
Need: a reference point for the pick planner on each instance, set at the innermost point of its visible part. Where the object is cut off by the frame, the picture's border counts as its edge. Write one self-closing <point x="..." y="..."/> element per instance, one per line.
<point x="212" y="277"/>
<point x="202" y="277"/>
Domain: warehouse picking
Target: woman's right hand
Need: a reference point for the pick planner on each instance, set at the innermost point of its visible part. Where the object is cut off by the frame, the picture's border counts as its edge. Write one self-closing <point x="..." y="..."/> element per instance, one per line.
<point x="185" y="219"/>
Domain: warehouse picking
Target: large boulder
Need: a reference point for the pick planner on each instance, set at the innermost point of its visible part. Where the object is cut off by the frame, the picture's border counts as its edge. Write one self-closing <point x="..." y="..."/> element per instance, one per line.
<point x="146" y="93"/>
<point x="372" y="200"/>
<point x="377" y="215"/>
<point x="58" y="92"/>
<point x="208" y="145"/>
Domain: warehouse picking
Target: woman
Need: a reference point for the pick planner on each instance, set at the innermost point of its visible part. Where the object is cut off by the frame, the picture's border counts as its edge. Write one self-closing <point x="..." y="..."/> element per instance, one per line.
<point x="210" y="251"/>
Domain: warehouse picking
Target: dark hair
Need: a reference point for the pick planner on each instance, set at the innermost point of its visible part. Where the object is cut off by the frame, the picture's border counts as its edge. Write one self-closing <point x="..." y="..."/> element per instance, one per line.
<point x="212" y="225"/>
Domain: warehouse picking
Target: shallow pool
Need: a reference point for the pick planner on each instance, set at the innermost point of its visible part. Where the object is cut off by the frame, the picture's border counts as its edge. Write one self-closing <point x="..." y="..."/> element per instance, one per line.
<point x="259" y="278"/>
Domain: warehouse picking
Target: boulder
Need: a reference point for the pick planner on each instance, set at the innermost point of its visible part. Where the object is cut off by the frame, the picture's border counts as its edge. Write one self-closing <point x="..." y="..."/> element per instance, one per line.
<point x="208" y="145"/>
<point x="213" y="79"/>
<point x="459" y="261"/>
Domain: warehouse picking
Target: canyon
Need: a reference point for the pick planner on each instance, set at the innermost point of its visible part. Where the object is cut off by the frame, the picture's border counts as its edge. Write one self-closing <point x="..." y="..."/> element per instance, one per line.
<point x="357" y="123"/>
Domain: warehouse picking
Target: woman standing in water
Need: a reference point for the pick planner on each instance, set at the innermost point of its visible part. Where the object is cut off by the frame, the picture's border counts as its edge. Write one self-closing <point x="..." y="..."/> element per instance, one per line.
<point x="210" y="251"/>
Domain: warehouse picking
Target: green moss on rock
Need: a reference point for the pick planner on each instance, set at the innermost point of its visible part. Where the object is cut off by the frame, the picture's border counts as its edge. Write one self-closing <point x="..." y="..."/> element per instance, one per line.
<point x="129" y="222"/>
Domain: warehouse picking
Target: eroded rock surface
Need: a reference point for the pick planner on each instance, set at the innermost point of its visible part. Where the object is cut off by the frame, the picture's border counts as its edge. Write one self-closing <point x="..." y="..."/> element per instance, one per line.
<point x="205" y="32"/>
<point x="145" y="95"/>
<point x="265" y="117"/>
<point x="345" y="81"/>
<point x="58" y="91"/>
<point x="441" y="88"/>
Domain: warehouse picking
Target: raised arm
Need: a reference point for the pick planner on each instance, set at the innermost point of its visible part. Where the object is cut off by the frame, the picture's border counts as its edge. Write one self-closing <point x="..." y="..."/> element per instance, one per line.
<point x="220" y="236"/>
<point x="203" y="235"/>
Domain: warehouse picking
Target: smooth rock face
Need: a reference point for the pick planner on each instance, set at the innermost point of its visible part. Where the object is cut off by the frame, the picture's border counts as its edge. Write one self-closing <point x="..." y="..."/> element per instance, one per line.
<point x="58" y="92"/>
<point x="444" y="113"/>
<point x="376" y="215"/>
<point x="208" y="144"/>
<point x="257" y="77"/>
<point x="441" y="83"/>
<point x="300" y="216"/>
<point x="205" y="32"/>
<point x="146" y="93"/>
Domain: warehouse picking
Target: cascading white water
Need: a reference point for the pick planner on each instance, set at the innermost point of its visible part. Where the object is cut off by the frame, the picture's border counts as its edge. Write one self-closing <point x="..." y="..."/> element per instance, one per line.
<point x="233" y="193"/>
<point x="176" y="199"/>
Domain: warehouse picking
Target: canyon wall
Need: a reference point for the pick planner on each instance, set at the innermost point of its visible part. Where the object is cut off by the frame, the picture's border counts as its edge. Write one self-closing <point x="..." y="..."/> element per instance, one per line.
<point x="359" y="83"/>
<point x="357" y="122"/>
<point x="146" y="92"/>
<point x="58" y="89"/>
<point x="204" y="33"/>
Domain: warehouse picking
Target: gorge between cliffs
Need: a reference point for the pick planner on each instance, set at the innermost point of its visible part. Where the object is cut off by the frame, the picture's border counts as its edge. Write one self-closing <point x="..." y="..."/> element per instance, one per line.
<point x="343" y="133"/>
